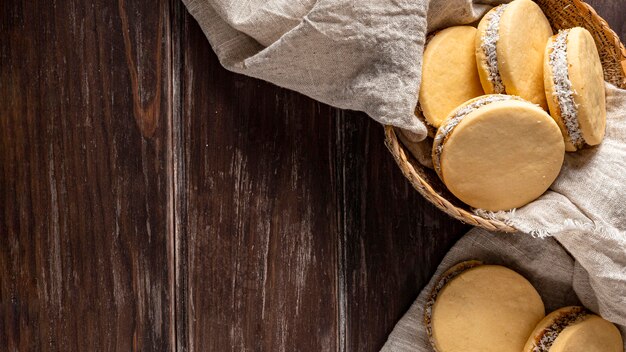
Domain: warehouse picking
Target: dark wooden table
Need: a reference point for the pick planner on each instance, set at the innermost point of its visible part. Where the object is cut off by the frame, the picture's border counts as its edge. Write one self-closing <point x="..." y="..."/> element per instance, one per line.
<point x="151" y="200"/>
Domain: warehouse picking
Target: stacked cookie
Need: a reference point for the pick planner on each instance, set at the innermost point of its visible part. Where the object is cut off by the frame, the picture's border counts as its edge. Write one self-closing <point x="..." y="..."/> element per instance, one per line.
<point x="480" y="307"/>
<point x="496" y="147"/>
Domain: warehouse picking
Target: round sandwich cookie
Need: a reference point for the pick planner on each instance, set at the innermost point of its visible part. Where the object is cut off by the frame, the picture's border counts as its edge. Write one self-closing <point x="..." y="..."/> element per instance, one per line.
<point x="510" y="45"/>
<point x="480" y="307"/>
<point x="574" y="329"/>
<point x="449" y="75"/>
<point x="498" y="152"/>
<point x="574" y="85"/>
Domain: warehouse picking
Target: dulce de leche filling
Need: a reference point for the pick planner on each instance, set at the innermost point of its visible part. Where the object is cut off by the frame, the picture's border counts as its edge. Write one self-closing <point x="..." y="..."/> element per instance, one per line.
<point x="489" y="43"/>
<point x="549" y="334"/>
<point x="454" y="120"/>
<point x="563" y="91"/>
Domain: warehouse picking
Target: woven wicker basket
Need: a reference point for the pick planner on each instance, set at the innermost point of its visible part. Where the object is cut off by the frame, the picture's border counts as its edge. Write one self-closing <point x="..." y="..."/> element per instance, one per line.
<point x="561" y="14"/>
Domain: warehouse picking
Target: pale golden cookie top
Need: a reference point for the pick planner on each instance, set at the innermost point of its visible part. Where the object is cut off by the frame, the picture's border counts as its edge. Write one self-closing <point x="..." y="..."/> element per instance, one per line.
<point x="449" y="75"/>
<point x="485" y="308"/>
<point x="501" y="155"/>
<point x="522" y="33"/>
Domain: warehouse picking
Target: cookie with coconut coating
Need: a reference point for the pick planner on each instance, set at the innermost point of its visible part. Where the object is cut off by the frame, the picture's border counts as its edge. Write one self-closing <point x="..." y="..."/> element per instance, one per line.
<point x="574" y="87"/>
<point x="498" y="152"/>
<point x="510" y="44"/>
<point x="574" y="329"/>
<point x="480" y="307"/>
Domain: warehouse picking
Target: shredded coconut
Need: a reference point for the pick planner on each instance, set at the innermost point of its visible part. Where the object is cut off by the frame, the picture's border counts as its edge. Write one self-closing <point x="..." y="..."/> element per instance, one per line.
<point x="450" y="124"/>
<point x="563" y="89"/>
<point x="489" y="41"/>
<point x="550" y="333"/>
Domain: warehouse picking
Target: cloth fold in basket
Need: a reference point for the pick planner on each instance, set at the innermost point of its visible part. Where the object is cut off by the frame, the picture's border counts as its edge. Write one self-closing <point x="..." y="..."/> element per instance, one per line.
<point x="366" y="56"/>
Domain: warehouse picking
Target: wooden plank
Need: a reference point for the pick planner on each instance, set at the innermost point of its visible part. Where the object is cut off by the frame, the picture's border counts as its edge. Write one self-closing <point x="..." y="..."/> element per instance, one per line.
<point x="85" y="253"/>
<point x="259" y="219"/>
<point x="393" y="238"/>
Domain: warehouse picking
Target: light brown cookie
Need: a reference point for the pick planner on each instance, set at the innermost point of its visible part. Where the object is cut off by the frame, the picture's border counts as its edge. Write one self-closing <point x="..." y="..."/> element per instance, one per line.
<point x="574" y="329"/>
<point x="477" y="307"/>
<point x="498" y="152"/>
<point x="509" y="47"/>
<point x="449" y="75"/>
<point x="574" y="87"/>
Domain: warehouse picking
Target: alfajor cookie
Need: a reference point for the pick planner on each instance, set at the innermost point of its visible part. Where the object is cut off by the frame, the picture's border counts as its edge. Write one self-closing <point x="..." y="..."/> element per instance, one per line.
<point x="574" y="329"/>
<point x="479" y="307"/>
<point x="510" y="45"/>
<point x="449" y="75"/>
<point x="498" y="152"/>
<point x="574" y="86"/>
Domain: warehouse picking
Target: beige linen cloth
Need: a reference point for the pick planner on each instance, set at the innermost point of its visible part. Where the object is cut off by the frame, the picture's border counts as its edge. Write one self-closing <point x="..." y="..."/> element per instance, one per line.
<point x="365" y="55"/>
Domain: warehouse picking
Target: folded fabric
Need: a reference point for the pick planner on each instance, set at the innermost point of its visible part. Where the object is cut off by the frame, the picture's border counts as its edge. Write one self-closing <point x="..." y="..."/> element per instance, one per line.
<point x="358" y="55"/>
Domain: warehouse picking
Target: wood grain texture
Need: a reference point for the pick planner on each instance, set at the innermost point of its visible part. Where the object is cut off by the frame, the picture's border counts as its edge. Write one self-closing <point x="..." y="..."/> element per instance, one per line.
<point x="393" y="238"/>
<point x="84" y="261"/>
<point x="301" y="233"/>
<point x="151" y="200"/>
<point x="260" y="212"/>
